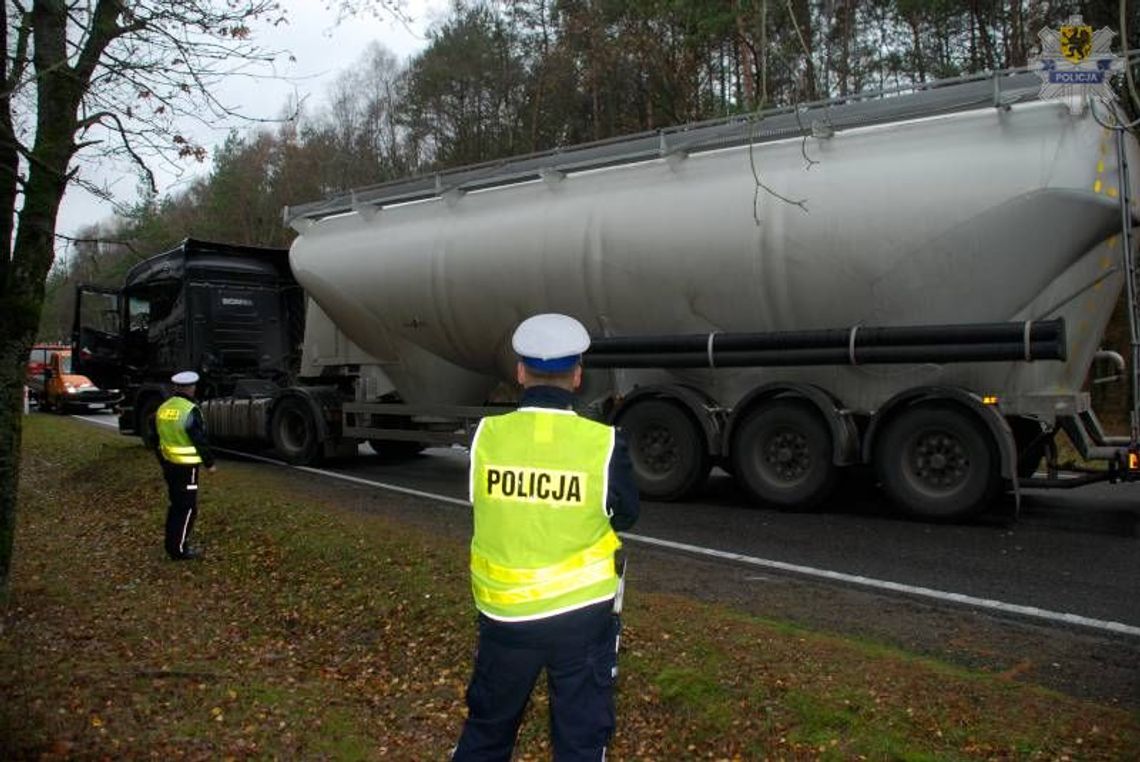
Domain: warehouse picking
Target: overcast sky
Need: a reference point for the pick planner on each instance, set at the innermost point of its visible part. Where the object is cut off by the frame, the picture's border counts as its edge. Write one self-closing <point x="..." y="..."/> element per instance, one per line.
<point x="322" y="47"/>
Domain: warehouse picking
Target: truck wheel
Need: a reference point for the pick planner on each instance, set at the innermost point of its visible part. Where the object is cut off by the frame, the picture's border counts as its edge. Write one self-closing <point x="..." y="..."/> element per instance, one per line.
<point x="938" y="463"/>
<point x="781" y="454"/>
<point x="144" y="419"/>
<point x="294" y="432"/>
<point x="395" y="449"/>
<point x="667" y="447"/>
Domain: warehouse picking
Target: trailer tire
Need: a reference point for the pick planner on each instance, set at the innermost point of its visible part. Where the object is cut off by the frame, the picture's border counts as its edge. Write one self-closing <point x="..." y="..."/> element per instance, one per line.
<point x="294" y="432"/>
<point x="938" y="462"/>
<point x="781" y="454"/>
<point x="667" y="448"/>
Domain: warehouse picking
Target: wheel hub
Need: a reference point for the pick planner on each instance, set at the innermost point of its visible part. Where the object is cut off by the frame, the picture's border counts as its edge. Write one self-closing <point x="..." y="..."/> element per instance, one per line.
<point x="940" y="460"/>
<point x="787" y="456"/>
<point x="293" y="430"/>
<point x="659" y="449"/>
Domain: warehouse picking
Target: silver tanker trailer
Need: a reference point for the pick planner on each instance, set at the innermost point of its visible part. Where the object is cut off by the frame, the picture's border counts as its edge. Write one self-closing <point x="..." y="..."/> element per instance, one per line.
<point x="919" y="282"/>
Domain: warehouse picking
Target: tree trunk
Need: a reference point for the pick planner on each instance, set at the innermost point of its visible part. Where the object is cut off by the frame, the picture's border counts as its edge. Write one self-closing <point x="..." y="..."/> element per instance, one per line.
<point x="13" y="358"/>
<point x="803" y="21"/>
<point x="21" y="299"/>
<point x="9" y="157"/>
<point x="744" y="61"/>
<point x="912" y="21"/>
<point x="845" y="66"/>
<point x="983" y="29"/>
<point x="763" y="54"/>
<point x="22" y="287"/>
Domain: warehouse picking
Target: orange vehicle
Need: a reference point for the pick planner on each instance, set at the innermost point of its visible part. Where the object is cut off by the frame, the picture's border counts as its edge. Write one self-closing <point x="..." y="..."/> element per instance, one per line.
<point x="52" y="385"/>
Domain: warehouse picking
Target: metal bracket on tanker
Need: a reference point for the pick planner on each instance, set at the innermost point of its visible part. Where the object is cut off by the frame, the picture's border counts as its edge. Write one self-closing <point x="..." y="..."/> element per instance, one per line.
<point x="366" y="211"/>
<point x="673" y="156"/>
<point x="551" y="176"/>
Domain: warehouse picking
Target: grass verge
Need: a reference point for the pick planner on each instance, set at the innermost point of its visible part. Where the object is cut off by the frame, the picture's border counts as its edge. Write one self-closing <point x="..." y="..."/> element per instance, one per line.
<point x="318" y="633"/>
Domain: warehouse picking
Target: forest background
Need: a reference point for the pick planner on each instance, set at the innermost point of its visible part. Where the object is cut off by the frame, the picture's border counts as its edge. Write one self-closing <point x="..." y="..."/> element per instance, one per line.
<point x="508" y="77"/>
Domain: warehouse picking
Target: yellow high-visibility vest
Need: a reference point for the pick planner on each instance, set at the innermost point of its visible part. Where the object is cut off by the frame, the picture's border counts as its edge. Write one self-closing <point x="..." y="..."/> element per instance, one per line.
<point x="170" y="421"/>
<point x="543" y="542"/>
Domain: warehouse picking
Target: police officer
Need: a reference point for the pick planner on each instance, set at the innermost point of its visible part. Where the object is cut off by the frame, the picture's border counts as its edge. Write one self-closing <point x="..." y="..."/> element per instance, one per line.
<point x="549" y="489"/>
<point x="182" y="448"/>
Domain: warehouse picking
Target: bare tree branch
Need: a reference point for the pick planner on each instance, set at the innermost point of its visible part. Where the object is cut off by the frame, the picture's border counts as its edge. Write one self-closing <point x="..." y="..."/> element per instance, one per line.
<point x="99" y="241"/>
<point x="127" y="145"/>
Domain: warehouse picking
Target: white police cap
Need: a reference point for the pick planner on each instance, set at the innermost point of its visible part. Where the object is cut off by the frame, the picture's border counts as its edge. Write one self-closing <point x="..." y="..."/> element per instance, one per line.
<point x="550" y="342"/>
<point x="185" y="378"/>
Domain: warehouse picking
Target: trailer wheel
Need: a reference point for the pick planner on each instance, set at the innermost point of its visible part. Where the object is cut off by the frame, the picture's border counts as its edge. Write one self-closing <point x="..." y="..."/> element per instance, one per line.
<point x="938" y="462"/>
<point x="294" y="432"/>
<point x="667" y="447"/>
<point x="781" y="454"/>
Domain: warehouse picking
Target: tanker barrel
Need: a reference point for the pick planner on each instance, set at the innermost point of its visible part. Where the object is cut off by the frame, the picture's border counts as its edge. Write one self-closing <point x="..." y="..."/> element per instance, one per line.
<point x="970" y="333"/>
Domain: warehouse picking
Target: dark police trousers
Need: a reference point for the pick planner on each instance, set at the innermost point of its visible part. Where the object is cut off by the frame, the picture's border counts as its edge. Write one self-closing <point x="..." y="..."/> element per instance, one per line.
<point x="182" y="487"/>
<point x="578" y="650"/>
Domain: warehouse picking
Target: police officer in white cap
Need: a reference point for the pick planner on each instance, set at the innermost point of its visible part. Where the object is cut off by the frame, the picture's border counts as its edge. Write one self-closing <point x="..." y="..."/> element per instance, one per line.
<point x="182" y="448"/>
<point x="549" y="490"/>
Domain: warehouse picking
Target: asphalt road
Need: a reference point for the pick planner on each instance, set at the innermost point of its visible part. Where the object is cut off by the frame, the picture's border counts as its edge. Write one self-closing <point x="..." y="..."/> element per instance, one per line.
<point x="1072" y="552"/>
<point x="1066" y="553"/>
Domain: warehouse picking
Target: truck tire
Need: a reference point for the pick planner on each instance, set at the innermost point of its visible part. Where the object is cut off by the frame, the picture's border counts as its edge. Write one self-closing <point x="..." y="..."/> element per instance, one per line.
<point x="667" y="447"/>
<point x="294" y="432"/>
<point x="145" y="408"/>
<point x="938" y="462"/>
<point x="781" y="454"/>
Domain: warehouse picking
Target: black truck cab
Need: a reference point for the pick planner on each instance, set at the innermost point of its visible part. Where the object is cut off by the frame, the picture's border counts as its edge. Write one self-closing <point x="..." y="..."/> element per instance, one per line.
<point x="234" y="314"/>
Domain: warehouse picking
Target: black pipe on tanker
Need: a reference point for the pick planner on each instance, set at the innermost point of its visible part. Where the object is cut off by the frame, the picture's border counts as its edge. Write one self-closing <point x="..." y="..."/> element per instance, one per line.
<point x="980" y="342"/>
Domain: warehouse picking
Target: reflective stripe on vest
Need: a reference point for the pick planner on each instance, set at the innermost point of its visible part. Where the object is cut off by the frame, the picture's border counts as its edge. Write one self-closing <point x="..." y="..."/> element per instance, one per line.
<point x="542" y="542"/>
<point x="174" y="441"/>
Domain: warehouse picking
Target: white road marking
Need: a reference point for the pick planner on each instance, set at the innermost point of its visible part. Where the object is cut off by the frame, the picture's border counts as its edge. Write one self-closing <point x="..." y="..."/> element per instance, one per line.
<point x="353" y="479"/>
<point x="896" y="587"/>
<point x="808" y="571"/>
<point x="99" y="421"/>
